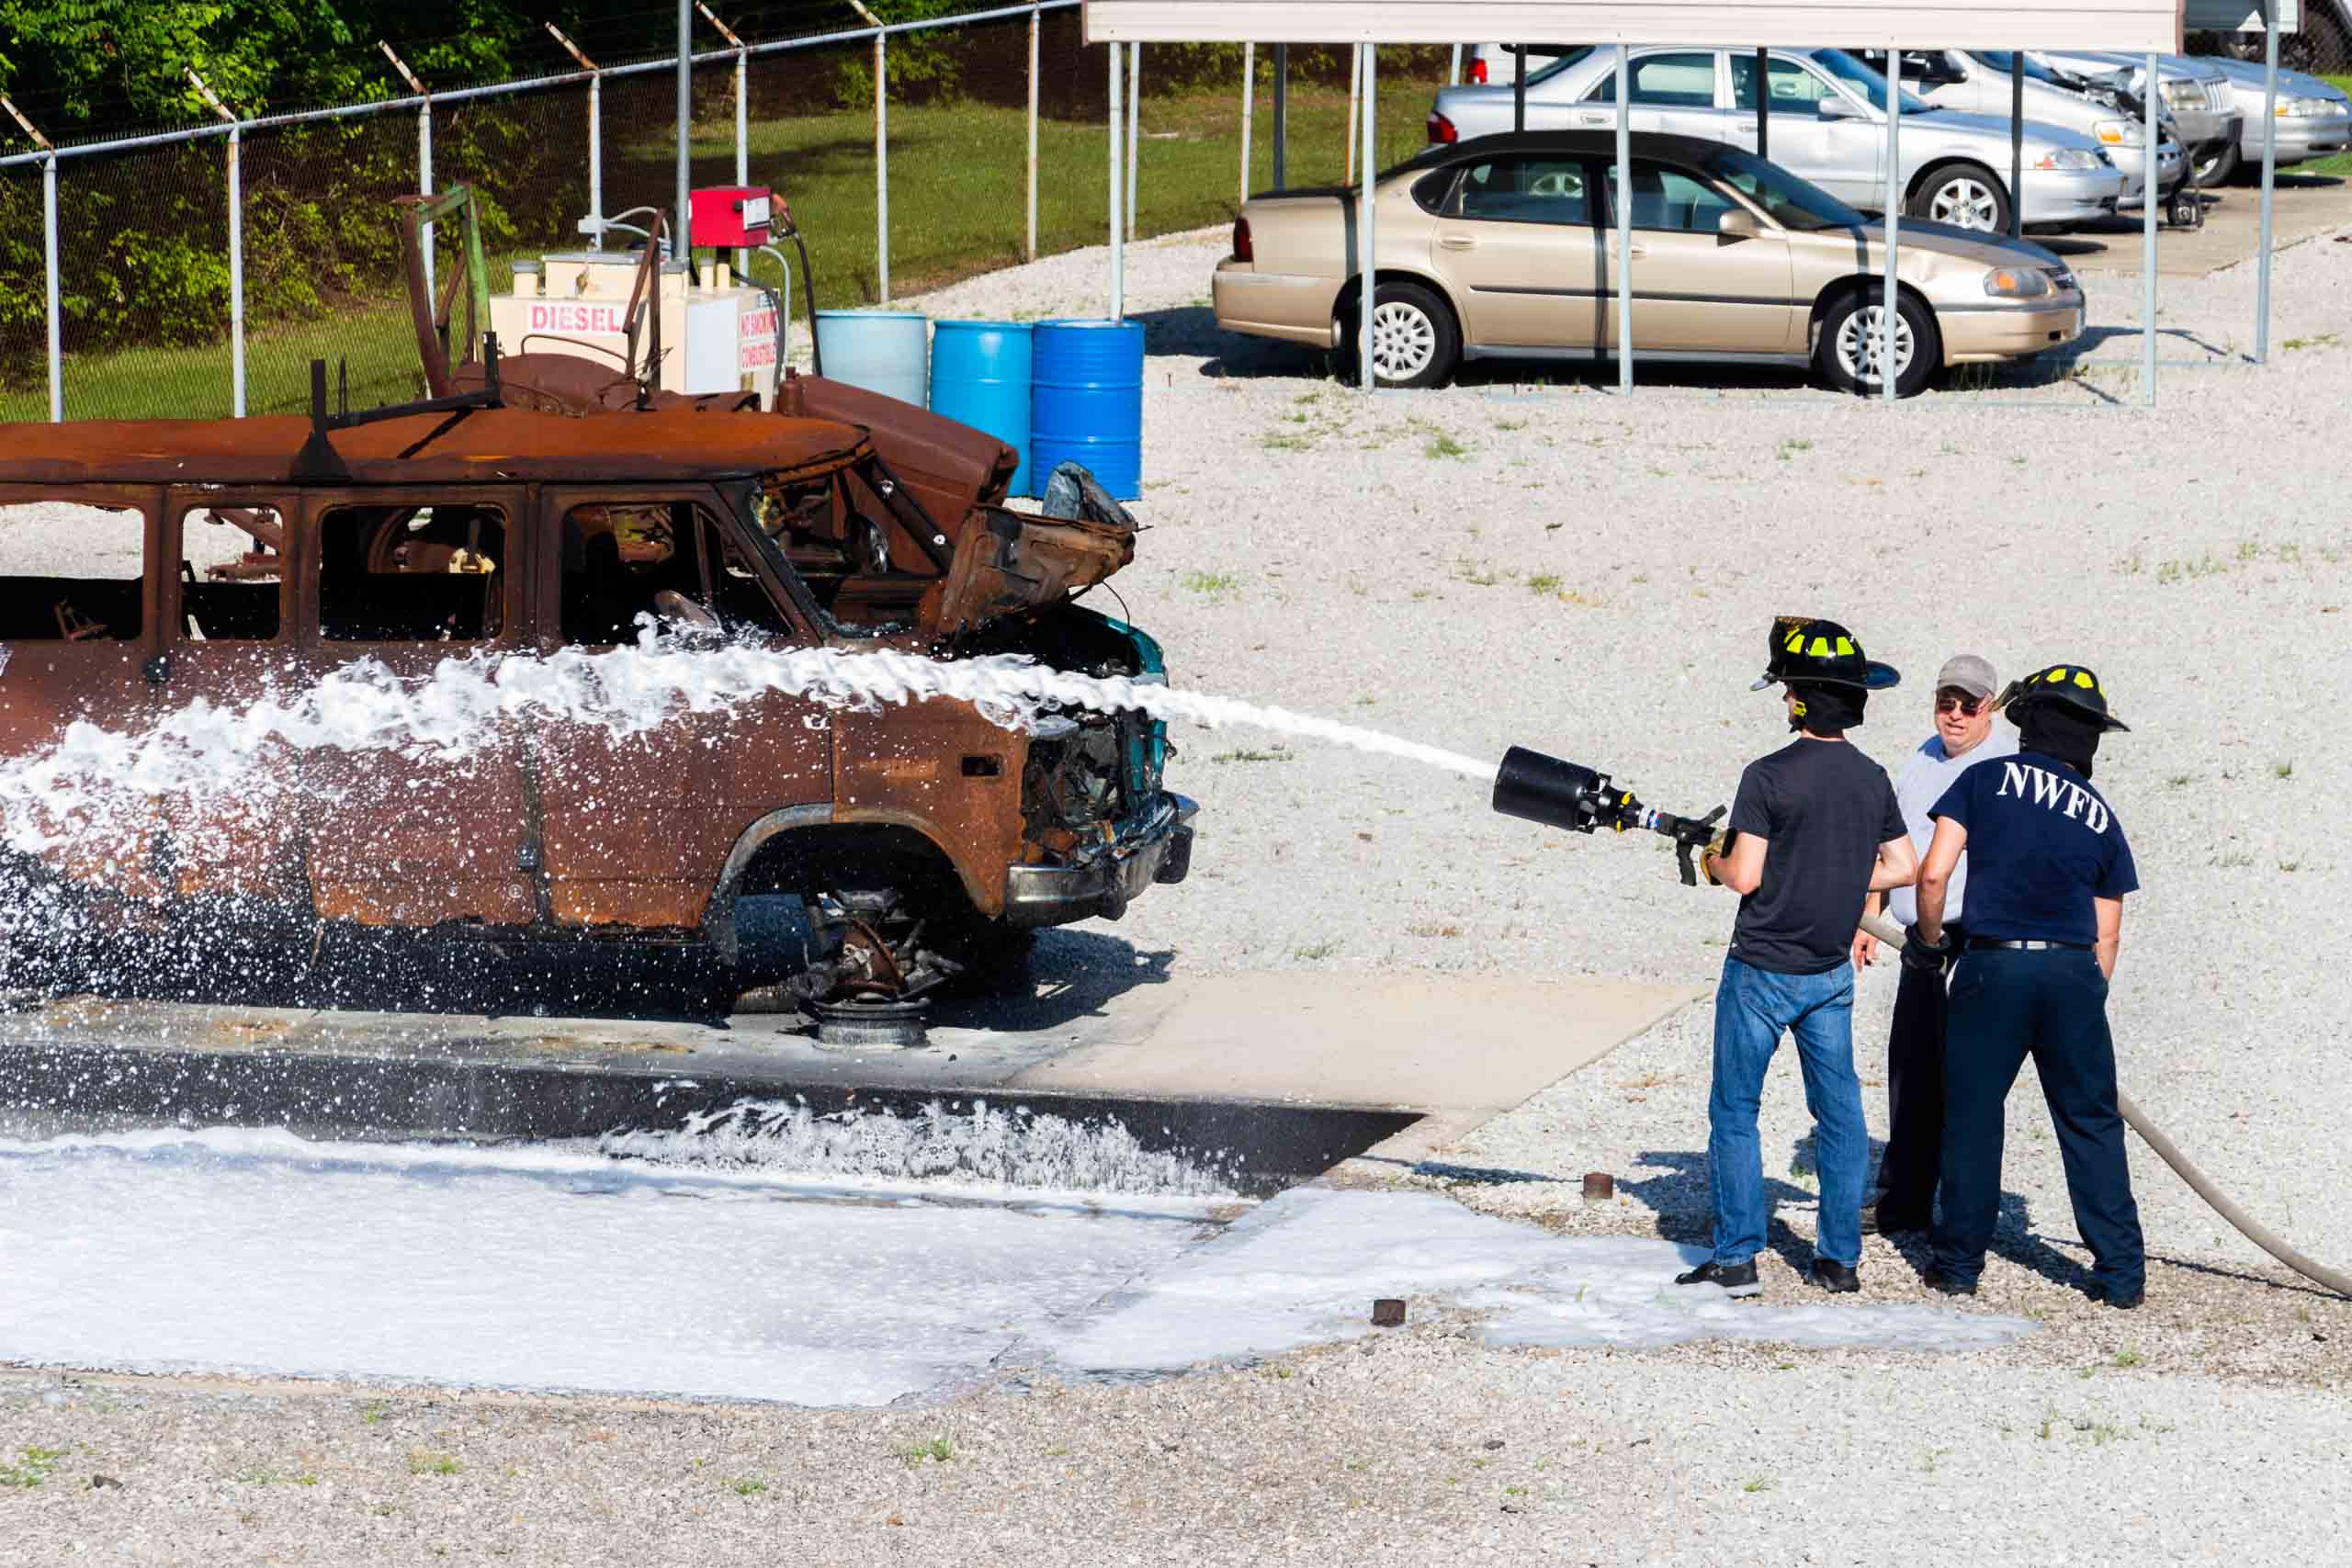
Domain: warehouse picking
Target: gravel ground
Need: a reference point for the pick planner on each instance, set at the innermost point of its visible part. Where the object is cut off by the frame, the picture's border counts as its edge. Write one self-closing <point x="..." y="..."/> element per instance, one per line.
<point x="1504" y="562"/>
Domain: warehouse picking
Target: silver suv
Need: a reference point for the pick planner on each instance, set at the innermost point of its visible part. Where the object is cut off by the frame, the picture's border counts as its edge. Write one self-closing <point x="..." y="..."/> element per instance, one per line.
<point x="1977" y="82"/>
<point x="1827" y="127"/>
<point x="2196" y="94"/>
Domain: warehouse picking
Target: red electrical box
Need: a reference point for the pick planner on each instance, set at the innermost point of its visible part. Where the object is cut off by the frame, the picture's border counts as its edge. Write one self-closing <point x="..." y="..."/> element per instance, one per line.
<point x="727" y="217"/>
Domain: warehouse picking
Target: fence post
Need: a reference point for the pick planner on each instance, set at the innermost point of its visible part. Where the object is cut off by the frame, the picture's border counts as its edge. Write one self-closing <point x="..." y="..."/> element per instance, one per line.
<point x="1029" y="245"/>
<point x="1134" y="126"/>
<point x="49" y="251"/>
<point x="743" y="118"/>
<point x="1281" y="116"/>
<point x="1118" y="205"/>
<point x="1355" y="86"/>
<point x="1453" y="72"/>
<point x="881" y="163"/>
<point x="1248" y="102"/>
<point x="595" y="137"/>
<point x="424" y="154"/>
<point x="236" y="248"/>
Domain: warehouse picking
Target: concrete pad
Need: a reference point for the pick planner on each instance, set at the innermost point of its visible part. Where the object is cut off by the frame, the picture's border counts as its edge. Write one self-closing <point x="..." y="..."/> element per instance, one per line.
<point x="1460" y="1048"/>
<point x="2302" y="206"/>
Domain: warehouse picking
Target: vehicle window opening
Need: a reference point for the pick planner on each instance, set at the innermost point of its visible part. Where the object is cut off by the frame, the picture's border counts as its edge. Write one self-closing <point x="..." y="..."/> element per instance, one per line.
<point x="232" y="568"/>
<point x="72" y="573"/>
<point x="1527" y="190"/>
<point x="830" y="531"/>
<point x="1666" y="199"/>
<point x="412" y="572"/>
<point x="1664" y="81"/>
<point x="670" y="559"/>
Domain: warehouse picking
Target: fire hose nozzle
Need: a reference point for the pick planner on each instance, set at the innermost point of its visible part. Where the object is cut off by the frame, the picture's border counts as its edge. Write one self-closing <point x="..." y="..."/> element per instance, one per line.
<point x="1560" y="794"/>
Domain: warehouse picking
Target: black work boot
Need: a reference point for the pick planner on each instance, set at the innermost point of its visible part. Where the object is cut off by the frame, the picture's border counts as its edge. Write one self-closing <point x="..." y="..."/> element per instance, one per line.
<point x="1891" y="1217"/>
<point x="1737" y="1279"/>
<point x="1834" y="1277"/>
<point x="1944" y="1284"/>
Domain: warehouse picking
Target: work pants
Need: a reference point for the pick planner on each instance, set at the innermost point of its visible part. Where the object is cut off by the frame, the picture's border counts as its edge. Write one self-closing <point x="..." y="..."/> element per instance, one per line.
<point x="1753" y="1008"/>
<point x="2006" y="1005"/>
<point x="1914" y="1096"/>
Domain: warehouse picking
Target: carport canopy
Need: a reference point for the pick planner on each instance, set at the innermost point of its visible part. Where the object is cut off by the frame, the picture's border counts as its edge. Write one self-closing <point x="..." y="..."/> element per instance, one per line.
<point x="2138" y="26"/>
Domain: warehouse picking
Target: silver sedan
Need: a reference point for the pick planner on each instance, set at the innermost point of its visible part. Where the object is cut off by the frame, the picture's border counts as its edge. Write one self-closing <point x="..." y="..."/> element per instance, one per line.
<point x="1827" y="126"/>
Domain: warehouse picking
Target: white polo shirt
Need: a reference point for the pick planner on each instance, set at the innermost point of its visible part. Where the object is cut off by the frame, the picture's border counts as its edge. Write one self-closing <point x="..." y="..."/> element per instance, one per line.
<point x="1926" y="774"/>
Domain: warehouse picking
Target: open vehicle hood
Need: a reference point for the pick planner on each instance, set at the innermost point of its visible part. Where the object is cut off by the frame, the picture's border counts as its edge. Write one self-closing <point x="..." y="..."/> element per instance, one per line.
<point x="1006" y="563"/>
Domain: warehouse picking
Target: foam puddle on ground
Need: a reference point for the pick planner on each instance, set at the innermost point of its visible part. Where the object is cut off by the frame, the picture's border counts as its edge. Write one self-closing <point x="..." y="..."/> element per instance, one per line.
<point x="246" y="1251"/>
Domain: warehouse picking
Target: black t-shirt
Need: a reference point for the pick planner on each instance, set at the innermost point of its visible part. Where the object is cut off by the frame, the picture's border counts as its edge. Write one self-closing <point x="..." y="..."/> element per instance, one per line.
<point x="2042" y="844"/>
<point x="1823" y="809"/>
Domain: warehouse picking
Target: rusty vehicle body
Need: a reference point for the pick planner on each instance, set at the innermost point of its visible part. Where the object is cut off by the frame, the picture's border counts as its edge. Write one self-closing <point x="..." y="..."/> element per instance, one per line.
<point x="277" y="551"/>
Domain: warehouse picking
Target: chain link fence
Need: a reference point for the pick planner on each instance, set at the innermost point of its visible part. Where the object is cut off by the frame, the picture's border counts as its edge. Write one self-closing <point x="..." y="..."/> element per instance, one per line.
<point x="159" y="315"/>
<point x="2320" y="44"/>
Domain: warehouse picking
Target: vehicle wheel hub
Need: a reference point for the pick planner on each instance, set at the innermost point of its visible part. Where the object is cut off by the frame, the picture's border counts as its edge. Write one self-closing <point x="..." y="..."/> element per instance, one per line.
<point x="1862" y="341"/>
<point x="1403" y="341"/>
<point x="1967" y="204"/>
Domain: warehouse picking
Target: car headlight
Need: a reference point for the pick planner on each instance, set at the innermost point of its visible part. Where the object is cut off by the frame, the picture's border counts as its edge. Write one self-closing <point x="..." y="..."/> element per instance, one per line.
<point x="2185" y="95"/>
<point x="2120" y="133"/>
<point x="2016" y="283"/>
<point x="2304" y="109"/>
<point x="2076" y="159"/>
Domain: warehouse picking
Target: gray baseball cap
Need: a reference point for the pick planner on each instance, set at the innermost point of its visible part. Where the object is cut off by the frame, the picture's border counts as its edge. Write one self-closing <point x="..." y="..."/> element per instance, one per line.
<point x="1967" y="672"/>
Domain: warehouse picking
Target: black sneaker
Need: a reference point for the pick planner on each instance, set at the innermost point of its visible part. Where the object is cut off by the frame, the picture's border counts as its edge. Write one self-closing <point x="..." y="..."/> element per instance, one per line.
<point x="2122" y="1301"/>
<point x="1834" y="1277"/>
<point x="1737" y="1279"/>
<point x="1882" y="1219"/>
<point x="1944" y="1284"/>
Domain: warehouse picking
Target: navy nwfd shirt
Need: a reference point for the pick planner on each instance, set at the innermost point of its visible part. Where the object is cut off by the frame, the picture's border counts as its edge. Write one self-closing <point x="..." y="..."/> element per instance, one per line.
<point x="2042" y="844"/>
<point x="1823" y="809"/>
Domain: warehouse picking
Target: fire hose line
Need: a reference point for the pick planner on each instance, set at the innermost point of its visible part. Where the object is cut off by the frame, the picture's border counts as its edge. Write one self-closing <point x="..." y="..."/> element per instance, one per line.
<point x="1568" y="795"/>
<point x="2199" y="1182"/>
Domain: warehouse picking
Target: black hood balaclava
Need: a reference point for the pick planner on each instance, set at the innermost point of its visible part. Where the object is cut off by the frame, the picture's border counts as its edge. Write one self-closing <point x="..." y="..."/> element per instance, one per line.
<point x="1825" y="710"/>
<point x="2060" y="730"/>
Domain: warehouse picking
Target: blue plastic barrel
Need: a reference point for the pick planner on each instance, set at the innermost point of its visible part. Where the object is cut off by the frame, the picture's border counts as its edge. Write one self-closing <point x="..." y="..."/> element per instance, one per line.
<point x="980" y="377"/>
<point x="882" y="351"/>
<point x="1086" y="402"/>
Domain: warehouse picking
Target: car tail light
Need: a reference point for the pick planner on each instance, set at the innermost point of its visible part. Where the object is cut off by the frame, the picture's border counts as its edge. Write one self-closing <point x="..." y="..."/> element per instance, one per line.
<point x="1241" y="251"/>
<point x="1478" y="73"/>
<point x="1441" y="129"/>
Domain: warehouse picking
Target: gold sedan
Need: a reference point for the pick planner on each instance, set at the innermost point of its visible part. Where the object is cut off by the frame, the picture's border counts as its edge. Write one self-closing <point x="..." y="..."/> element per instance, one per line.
<point x="1505" y="248"/>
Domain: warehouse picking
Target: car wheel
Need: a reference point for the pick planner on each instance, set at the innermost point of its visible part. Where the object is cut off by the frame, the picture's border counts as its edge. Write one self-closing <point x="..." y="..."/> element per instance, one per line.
<point x="1414" y="340"/>
<point x="1849" y="347"/>
<point x="1963" y="195"/>
<point x="2217" y="166"/>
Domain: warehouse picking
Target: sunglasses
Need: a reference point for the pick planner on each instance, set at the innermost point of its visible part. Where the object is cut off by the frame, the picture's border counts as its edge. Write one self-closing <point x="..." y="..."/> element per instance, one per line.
<point x="1967" y="707"/>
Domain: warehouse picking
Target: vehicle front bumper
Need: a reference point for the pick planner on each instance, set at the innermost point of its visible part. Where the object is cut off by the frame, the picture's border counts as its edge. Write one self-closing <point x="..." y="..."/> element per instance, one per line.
<point x="2198" y="129"/>
<point x="2299" y="138"/>
<point x="1978" y="333"/>
<point x="2132" y="163"/>
<point x="2070" y="195"/>
<point x="1160" y="851"/>
<point x="1290" y="306"/>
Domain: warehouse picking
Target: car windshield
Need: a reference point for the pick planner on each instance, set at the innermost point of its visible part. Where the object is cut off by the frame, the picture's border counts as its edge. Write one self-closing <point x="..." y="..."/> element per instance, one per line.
<point x="1792" y="203"/>
<point x="1998" y="59"/>
<point x="1549" y="71"/>
<point x="1872" y="86"/>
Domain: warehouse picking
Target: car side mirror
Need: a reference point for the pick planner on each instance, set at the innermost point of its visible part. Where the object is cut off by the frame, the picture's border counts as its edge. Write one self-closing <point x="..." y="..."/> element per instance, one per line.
<point x="1737" y="224"/>
<point x="1835" y="108"/>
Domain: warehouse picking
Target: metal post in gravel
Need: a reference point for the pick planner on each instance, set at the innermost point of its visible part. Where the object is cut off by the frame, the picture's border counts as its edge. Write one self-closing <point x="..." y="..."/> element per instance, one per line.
<point x="2017" y="144"/>
<point x="681" y="248"/>
<point x="1029" y="241"/>
<point x="2269" y="176"/>
<point x="1248" y="102"/>
<point x="1518" y="89"/>
<point x="1453" y="72"/>
<point x="49" y="254"/>
<point x="424" y="154"/>
<point x="1134" y="127"/>
<point x="1887" y="314"/>
<point x="1763" y="103"/>
<point x="1282" y="115"/>
<point x="595" y="138"/>
<point x="1118" y="205"/>
<point x="2148" y="240"/>
<point x="881" y="175"/>
<point x="236" y="251"/>
<point x="1625" y="215"/>
<point x="1369" y="298"/>
<point x="1355" y="90"/>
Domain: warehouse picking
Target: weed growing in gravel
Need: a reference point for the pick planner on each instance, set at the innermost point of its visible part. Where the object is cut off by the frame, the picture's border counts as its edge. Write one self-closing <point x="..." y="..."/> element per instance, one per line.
<point x="1252" y="757"/>
<point x="1789" y="448"/>
<point x="1933" y="1455"/>
<point x="1284" y="442"/>
<point x="1216" y="585"/>
<point x="936" y="1450"/>
<point x="1440" y="444"/>
<point x="1757" y="1484"/>
<point x="424" y="1461"/>
<point x="2127" y="1358"/>
<point x="2283" y="769"/>
<point x="2177" y="780"/>
<point x="2323" y="339"/>
<point x="1544" y="583"/>
<point x="373" y="1412"/>
<point x="1477" y="576"/>
<point x="747" y="1486"/>
<point x="33" y="1469"/>
<point x="1510" y="425"/>
<point x="1320" y="950"/>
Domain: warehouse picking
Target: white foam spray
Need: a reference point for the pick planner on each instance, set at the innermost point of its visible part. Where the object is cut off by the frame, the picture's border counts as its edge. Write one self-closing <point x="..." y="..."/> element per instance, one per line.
<point x="234" y="761"/>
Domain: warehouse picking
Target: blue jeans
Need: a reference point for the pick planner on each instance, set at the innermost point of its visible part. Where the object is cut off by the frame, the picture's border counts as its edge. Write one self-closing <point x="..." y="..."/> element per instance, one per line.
<point x="1753" y="1008"/>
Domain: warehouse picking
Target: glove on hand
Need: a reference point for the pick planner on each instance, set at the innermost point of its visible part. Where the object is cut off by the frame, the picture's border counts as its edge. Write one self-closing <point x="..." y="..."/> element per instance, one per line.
<point x="1920" y="954"/>
<point x="1718" y="847"/>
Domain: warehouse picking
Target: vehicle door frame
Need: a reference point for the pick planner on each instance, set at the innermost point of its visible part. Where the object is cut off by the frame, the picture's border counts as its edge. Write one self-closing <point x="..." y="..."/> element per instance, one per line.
<point x="1698" y="344"/>
<point x="1563" y="343"/>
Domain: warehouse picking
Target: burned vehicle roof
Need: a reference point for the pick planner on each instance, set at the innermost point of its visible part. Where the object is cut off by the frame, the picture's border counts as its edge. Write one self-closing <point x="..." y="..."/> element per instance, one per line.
<point x="482" y="445"/>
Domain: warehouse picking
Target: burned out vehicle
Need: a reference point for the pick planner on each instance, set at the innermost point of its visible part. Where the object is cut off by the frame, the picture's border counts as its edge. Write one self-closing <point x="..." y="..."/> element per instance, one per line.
<point x="435" y="560"/>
